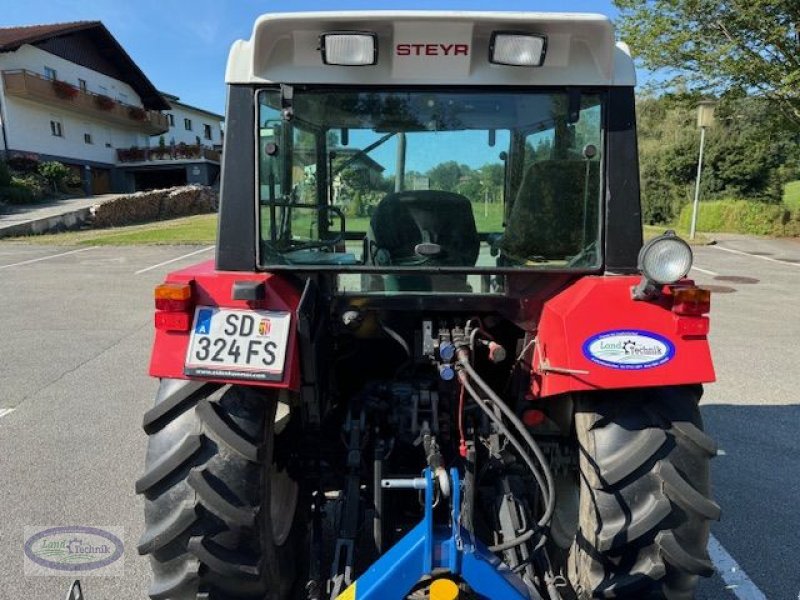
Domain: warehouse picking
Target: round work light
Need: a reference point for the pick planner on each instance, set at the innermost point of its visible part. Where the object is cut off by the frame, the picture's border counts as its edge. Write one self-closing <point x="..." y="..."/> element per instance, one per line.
<point x="665" y="259"/>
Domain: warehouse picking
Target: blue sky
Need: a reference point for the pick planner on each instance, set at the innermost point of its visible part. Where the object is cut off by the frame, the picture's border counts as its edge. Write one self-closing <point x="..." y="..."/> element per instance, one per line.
<point x="182" y="46"/>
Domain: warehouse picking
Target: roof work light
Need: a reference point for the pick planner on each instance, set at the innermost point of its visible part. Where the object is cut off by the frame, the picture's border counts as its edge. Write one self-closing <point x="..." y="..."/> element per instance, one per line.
<point x="517" y="49"/>
<point x="349" y="48"/>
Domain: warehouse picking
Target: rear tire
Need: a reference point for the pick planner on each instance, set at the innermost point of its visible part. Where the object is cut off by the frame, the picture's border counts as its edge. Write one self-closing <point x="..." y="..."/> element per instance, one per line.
<point x="223" y="517"/>
<point x="645" y="500"/>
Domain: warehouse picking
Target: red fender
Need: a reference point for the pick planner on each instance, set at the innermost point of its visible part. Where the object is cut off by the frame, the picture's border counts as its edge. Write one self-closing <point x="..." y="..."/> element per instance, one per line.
<point x="213" y="288"/>
<point x="593" y="336"/>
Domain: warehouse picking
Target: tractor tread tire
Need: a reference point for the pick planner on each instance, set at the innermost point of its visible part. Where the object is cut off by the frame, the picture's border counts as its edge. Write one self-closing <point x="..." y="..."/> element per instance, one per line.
<point x="176" y="395"/>
<point x="207" y="514"/>
<point x="645" y="495"/>
<point x="677" y="555"/>
<point x="682" y="493"/>
<point x="187" y="577"/>
<point x="221" y="564"/>
<point x="169" y="462"/>
<point x="168" y="530"/>
<point x="690" y="433"/>
<point x="213" y="501"/>
<point x="626" y="460"/>
<point x="220" y="431"/>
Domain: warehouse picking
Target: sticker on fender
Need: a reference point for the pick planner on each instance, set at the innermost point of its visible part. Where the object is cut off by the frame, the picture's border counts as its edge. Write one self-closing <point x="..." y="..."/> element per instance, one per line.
<point x="629" y="349"/>
<point x="233" y="343"/>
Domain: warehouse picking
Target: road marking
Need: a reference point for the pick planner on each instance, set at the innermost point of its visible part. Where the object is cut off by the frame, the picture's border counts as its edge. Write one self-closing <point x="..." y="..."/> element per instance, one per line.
<point x="736" y="580"/>
<point x="5" y="411"/>
<point x="706" y="271"/>
<point x="770" y="259"/>
<point x="41" y="258"/>
<point x="172" y="260"/>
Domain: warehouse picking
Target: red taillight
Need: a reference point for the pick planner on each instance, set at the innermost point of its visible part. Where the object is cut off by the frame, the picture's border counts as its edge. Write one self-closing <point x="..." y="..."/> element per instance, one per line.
<point x="691" y="301"/>
<point x="691" y="326"/>
<point x="173" y="321"/>
<point x="174" y="306"/>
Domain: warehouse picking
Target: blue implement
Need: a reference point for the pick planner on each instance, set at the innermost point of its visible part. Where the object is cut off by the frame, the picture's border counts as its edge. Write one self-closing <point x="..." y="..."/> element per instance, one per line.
<point x="447" y="550"/>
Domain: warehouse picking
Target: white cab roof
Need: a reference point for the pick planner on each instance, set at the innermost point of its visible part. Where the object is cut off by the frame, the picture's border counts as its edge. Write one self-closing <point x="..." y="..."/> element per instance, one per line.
<point x="284" y="48"/>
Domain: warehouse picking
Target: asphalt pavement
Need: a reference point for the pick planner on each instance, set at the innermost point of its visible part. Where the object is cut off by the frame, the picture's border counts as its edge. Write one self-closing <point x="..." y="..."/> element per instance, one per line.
<point x="77" y="327"/>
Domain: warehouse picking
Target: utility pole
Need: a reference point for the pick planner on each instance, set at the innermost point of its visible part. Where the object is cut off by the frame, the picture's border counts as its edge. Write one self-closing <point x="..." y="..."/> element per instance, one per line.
<point x="705" y="119"/>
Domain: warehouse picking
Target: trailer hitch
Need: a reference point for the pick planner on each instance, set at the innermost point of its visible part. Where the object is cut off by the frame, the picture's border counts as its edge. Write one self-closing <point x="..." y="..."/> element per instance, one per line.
<point x="448" y="550"/>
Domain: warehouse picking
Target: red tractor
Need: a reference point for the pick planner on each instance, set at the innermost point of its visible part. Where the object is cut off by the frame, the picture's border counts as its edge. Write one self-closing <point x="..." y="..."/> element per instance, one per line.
<point x="433" y="357"/>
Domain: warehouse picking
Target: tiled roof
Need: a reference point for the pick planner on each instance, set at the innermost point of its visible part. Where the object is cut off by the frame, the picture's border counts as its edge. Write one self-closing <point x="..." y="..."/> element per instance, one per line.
<point x="12" y="38"/>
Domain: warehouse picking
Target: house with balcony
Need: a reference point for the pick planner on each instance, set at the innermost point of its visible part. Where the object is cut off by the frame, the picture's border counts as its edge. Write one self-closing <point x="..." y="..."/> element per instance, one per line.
<point x="188" y="152"/>
<point x="69" y="92"/>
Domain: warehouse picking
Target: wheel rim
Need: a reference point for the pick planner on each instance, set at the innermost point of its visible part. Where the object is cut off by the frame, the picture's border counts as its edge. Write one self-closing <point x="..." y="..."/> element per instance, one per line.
<point x="283" y="504"/>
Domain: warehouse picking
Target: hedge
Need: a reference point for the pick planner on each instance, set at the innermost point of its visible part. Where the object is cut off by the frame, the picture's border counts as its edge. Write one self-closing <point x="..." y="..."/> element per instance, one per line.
<point x="742" y="216"/>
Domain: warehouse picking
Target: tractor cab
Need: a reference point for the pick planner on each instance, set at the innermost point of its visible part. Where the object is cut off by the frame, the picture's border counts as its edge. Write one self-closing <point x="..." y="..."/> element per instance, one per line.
<point x="423" y="179"/>
<point x="432" y="357"/>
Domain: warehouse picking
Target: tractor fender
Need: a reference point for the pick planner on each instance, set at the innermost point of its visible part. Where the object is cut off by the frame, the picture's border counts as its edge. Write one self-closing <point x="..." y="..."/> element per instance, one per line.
<point x="215" y="288"/>
<point x="594" y="336"/>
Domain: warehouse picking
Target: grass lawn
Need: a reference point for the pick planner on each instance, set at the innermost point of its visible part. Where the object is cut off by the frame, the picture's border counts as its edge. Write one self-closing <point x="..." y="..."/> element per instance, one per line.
<point x="202" y="229"/>
<point x="651" y="231"/>
<point x="198" y="229"/>
<point x="791" y="195"/>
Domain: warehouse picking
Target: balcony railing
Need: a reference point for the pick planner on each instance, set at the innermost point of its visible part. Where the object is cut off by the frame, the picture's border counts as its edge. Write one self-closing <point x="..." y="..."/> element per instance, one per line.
<point x="33" y="86"/>
<point x="167" y="153"/>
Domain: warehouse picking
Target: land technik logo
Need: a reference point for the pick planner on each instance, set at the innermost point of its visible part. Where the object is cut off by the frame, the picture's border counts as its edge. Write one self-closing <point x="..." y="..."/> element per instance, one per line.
<point x="74" y="549"/>
<point x="629" y="349"/>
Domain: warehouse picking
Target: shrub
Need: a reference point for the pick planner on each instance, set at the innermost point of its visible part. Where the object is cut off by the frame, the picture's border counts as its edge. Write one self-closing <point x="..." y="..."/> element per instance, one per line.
<point x="740" y="216"/>
<point x="35" y="184"/>
<point x="23" y="165"/>
<point x="13" y="194"/>
<point x="54" y="172"/>
<point x="5" y="175"/>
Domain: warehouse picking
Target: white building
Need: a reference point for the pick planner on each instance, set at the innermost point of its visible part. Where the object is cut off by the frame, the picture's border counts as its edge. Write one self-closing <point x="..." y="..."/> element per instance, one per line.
<point x="191" y="125"/>
<point x="69" y="92"/>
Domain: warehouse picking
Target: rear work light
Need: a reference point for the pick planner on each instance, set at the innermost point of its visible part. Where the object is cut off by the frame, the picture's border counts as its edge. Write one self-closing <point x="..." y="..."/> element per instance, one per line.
<point x="174" y="306"/>
<point x="517" y="49"/>
<point x="349" y="48"/>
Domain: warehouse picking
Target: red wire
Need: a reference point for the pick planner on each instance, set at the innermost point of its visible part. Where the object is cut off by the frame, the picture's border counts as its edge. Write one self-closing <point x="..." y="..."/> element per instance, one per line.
<point x="462" y="446"/>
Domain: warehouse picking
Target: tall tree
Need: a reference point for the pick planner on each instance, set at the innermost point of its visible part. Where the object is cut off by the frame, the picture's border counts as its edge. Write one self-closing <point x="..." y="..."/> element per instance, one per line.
<point x="721" y="46"/>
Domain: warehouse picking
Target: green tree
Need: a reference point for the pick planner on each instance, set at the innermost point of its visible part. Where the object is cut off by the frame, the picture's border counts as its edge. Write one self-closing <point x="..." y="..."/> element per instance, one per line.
<point x="446" y="175"/>
<point x="54" y="172"/>
<point x="748" y="154"/>
<point x="720" y="47"/>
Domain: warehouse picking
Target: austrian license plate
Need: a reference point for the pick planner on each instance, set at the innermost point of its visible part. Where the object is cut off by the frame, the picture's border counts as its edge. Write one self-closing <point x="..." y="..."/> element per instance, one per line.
<point x="232" y="343"/>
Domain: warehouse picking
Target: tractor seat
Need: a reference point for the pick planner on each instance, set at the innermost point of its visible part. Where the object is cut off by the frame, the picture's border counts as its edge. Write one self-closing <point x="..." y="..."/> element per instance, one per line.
<point x="404" y="219"/>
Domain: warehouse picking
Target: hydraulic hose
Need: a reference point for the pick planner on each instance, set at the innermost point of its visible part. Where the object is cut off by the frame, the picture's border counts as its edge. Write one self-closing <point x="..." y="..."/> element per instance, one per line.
<point x="541" y="480"/>
<point x="550" y="499"/>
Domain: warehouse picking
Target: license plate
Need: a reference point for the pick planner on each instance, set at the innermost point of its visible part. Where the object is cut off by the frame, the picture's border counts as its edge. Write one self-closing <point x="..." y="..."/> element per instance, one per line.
<point x="238" y="344"/>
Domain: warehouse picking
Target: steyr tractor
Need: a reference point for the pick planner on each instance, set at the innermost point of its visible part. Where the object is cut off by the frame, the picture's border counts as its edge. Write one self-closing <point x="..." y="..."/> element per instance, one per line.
<point x="433" y="357"/>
